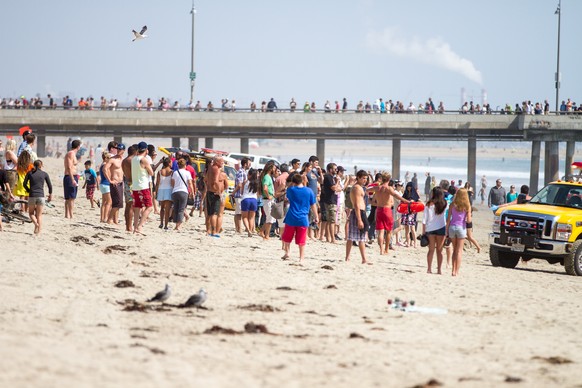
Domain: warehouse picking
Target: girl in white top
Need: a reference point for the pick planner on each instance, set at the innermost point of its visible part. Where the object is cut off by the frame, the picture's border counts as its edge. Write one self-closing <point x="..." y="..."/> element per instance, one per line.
<point x="434" y="226"/>
<point x="164" y="192"/>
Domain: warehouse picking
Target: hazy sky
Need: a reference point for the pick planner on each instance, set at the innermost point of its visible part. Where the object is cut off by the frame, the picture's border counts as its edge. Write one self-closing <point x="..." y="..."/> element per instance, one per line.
<point x="313" y="50"/>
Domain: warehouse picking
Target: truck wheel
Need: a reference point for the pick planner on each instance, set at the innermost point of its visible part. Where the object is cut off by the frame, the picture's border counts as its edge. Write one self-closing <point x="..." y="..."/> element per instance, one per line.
<point x="573" y="262"/>
<point x="502" y="259"/>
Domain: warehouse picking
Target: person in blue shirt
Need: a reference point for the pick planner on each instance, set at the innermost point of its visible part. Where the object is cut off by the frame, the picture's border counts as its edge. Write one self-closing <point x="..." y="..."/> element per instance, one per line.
<point x="90" y="183"/>
<point x="301" y="200"/>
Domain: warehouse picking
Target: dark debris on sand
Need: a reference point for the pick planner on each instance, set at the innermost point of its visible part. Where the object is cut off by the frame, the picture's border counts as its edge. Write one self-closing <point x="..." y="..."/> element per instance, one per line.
<point x="151" y="274"/>
<point x="82" y="239"/>
<point x="266" y="308"/>
<point x="112" y="248"/>
<point x="221" y="330"/>
<point x="249" y="328"/>
<point x="153" y="350"/>
<point x="513" y="379"/>
<point x="328" y="267"/>
<point x="356" y="335"/>
<point x="254" y="328"/>
<point x="134" y="305"/>
<point x="124" y="284"/>
<point x="555" y="360"/>
<point x="330" y="287"/>
<point x="285" y="288"/>
<point x="429" y="383"/>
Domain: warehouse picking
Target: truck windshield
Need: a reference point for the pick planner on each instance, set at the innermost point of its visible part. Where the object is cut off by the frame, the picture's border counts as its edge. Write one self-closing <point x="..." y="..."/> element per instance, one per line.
<point x="560" y="195"/>
<point x="230" y="172"/>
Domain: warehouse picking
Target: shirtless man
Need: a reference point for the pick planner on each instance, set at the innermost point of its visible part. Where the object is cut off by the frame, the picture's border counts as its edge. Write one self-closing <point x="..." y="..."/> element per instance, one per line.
<point x="71" y="178"/>
<point x="126" y="168"/>
<point x="223" y="182"/>
<point x="213" y="196"/>
<point x="358" y="222"/>
<point x="384" y="203"/>
<point x="114" y="173"/>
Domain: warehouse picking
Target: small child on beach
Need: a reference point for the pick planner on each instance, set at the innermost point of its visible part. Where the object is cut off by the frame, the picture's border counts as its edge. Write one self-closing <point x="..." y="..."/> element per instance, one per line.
<point x="90" y="183"/>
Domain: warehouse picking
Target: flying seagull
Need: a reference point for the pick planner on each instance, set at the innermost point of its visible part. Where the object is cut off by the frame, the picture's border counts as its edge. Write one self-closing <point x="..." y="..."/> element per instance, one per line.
<point x="162" y="296"/>
<point x="139" y="35"/>
<point x="196" y="300"/>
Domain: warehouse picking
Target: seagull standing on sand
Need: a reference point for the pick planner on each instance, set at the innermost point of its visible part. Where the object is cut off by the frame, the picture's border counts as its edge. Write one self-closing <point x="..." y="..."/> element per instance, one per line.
<point x="162" y="296"/>
<point x="196" y="300"/>
<point x="139" y="35"/>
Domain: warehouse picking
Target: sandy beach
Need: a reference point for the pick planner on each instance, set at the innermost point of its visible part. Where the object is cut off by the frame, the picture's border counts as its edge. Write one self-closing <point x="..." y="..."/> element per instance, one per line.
<point x="64" y="322"/>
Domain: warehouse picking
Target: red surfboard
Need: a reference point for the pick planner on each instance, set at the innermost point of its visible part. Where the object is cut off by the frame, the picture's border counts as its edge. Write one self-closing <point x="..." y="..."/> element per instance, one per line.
<point x="414" y="207"/>
<point x="24" y="129"/>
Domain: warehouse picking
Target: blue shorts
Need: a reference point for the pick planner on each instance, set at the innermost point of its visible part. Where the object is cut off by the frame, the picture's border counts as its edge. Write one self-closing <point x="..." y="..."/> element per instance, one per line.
<point x="456" y="231"/>
<point x="70" y="190"/>
<point x="104" y="189"/>
<point x="249" y="205"/>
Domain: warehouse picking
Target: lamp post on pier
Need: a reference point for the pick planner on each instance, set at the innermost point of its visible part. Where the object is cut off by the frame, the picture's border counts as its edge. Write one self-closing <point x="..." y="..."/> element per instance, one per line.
<point x="192" y="72"/>
<point x="558" y="77"/>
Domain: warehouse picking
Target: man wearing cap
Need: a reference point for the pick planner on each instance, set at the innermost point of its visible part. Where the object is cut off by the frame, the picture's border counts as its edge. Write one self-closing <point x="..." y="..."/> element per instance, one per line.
<point x="71" y="178"/>
<point x="114" y="173"/>
<point x="141" y="173"/>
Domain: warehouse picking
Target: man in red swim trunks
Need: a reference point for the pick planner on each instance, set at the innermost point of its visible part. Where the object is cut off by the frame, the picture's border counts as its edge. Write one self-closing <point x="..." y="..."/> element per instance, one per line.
<point x="384" y="202"/>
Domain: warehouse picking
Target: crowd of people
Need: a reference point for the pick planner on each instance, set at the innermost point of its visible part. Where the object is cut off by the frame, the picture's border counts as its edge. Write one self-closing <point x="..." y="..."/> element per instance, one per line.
<point x="295" y="201"/>
<point x="379" y="105"/>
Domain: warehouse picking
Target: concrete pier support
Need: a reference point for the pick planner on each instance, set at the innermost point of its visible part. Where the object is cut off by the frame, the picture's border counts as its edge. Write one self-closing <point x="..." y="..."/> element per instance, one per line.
<point x="570" y="149"/>
<point x="396" y="149"/>
<point x="209" y="142"/>
<point x="176" y="142"/>
<point x="534" y="169"/>
<point x="552" y="168"/>
<point x="472" y="161"/>
<point x="40" y="144"/>
<point x="117" y="137"/>
<point x="320" y="152"/>
<point x="193" y="143"/>
<point x="244" y="146"/>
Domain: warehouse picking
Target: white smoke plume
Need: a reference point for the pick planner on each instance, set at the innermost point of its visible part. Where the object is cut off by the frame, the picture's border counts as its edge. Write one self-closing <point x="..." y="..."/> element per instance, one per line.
<point x="433" y="51"/>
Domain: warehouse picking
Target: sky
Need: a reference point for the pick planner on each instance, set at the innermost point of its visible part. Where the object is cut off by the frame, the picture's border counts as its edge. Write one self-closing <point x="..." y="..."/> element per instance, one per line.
<point x="451" y="51"/>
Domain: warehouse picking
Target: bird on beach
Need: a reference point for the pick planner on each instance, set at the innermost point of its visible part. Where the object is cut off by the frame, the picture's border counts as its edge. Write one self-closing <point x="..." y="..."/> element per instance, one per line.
<point x="196" y="300"/>
<point x="163" y="295"/>
<point x="139" y="35"/>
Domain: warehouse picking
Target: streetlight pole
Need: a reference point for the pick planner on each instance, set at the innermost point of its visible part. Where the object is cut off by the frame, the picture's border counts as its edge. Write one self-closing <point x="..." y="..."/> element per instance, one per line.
<point x="559" y="13"/>
<point x="192" y="72"/>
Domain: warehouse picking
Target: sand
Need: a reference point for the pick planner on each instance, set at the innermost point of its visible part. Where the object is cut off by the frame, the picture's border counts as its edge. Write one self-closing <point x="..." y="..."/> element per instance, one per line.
<point x="62" y="319"/>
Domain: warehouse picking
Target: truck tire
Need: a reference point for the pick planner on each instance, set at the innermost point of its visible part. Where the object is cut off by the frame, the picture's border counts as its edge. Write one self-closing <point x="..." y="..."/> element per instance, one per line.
<point x="503" y="259"/>
<point x="573" y="262"/>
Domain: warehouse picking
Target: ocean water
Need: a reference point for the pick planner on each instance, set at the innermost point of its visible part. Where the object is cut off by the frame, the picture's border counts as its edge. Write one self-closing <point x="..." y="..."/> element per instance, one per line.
<point x="509" y="161"/>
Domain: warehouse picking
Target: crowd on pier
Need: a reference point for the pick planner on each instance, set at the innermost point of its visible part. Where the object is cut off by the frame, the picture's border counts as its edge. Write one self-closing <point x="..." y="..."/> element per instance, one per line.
<point x="379" y="105"/>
